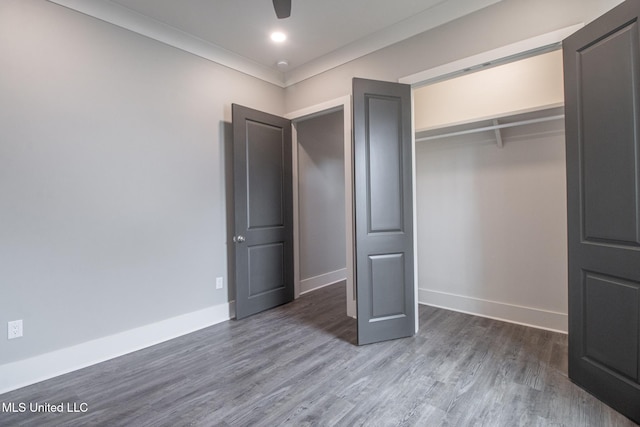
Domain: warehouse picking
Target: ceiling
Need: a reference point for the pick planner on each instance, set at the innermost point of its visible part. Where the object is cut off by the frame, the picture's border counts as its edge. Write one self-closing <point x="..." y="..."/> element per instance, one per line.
<point x="322" y="34"/>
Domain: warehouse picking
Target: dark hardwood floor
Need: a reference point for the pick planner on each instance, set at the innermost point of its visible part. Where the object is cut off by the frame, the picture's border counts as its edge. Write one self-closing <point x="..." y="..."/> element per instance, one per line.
<point x="297" y="365"/>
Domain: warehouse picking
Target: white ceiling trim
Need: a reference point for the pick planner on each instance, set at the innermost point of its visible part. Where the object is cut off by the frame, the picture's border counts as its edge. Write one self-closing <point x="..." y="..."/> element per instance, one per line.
<point x="428" y="19"/>
<point x="126" y="18"/>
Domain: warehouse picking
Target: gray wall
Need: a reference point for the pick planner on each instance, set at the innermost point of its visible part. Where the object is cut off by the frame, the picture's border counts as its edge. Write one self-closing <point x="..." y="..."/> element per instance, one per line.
<point x="321" y="195"/>
<point x="112" y="207"/>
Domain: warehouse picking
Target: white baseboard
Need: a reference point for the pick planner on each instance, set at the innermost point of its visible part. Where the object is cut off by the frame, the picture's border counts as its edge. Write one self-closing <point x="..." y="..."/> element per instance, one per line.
<point x="528" y="316"/>
<point x="39" y="368"/>
<point x="317" y="282"/>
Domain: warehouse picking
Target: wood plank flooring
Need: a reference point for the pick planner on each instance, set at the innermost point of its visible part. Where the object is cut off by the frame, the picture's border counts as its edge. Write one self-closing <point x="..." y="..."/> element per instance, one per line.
<point x="297" y="365"/>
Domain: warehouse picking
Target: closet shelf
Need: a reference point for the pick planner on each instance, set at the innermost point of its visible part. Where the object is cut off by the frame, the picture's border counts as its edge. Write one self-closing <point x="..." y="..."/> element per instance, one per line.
<point x="493" y="124"/>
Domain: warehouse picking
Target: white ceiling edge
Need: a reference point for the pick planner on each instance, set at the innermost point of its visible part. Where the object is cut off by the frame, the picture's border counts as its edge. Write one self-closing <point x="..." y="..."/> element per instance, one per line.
<point x="426" y="20"/>
<point x="520" y="48"/>
<point x="128" y="19"/>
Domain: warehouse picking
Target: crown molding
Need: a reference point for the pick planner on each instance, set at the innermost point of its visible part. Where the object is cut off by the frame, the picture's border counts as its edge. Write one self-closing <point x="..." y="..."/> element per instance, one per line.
<point x="116" y="14"/>
<point x="123" y="17"/>
<point x="441" y="13"/>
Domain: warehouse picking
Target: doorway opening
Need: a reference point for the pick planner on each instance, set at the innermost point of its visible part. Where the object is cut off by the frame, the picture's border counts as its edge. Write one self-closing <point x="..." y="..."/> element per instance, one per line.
<point x="320" y="201"/>
<point x="323" y="198"/>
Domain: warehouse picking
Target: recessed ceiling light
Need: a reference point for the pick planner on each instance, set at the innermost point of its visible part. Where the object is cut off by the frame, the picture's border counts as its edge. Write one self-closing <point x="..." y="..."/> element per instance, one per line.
<point x="282" y="64"/>
<point x="278" y="36"/>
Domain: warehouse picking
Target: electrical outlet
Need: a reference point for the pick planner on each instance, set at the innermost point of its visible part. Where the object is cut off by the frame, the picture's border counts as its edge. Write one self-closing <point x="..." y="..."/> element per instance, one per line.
<point x="14" y="329"/>
<point x="219" y="282"/>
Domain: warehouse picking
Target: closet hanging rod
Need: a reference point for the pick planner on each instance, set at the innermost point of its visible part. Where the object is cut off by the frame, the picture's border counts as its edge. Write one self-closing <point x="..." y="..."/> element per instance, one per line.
<point x="494" y="127"/>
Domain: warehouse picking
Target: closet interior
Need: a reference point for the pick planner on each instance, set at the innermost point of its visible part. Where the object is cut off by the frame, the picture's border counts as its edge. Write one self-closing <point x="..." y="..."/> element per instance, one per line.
<point x="491" y="192"/>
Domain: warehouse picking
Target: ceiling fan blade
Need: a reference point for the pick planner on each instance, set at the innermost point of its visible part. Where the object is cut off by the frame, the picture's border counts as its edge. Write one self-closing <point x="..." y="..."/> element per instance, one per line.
<point x="282" y="8"/>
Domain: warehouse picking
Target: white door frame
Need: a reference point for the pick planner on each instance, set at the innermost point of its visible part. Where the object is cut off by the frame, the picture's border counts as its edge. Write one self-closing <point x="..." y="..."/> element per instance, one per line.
<point x="340" y="104"/>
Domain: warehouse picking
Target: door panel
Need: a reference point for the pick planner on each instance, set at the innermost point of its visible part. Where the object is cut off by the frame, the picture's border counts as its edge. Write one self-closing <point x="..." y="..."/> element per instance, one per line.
<point x="384" y="147"/>
<point x="386" y="270"/>
<point x="265" y="158"/>
<point x="609" y="68"/>
<point x="263" y="211"/>
<point x="266" y="268"/>
<point x="602" y="62"/>
<point x="384" y="210"/>
<point x="611" y="336"/>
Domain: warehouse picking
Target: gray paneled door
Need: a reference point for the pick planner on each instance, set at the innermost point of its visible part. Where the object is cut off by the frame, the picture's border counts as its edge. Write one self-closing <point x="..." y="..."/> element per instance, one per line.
<point x="602" y="95"/>
<point x="263" y="210"/>
<point x="384" y="210"/>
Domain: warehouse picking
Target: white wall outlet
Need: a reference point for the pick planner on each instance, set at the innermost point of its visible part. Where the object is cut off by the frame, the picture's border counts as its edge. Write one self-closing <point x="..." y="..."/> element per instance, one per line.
<point x="14" y="329"/>
<point x="219" y="282"/>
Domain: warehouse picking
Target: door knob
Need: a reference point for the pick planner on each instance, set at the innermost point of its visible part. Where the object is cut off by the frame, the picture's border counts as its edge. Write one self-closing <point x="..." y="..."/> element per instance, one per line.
<point x="238" y="239"/>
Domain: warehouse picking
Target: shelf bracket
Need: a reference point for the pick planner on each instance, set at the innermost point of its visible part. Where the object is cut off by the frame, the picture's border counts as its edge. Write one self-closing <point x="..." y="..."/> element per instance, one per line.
<point x="498" y="134"/>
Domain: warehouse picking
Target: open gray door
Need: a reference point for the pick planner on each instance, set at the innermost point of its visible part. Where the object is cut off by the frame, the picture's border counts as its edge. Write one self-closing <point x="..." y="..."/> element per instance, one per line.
<point x="602" y="95"/>
<point x="384" y="210"/>
<point x="263" y="210"/>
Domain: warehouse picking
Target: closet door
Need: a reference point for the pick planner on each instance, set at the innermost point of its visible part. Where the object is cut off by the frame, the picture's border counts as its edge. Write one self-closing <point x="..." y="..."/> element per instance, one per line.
<point x="385" y="289"/>
<point x="602" y="94"/>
